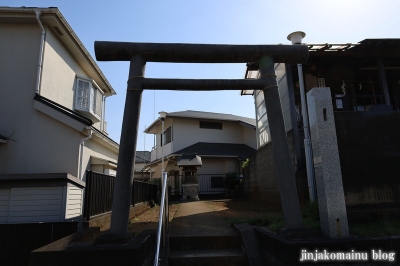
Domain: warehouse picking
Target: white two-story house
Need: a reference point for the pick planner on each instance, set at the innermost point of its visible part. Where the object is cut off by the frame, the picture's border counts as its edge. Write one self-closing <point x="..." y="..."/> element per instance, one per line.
<point x="52" y="117"/>
<point x="222" y="141"/>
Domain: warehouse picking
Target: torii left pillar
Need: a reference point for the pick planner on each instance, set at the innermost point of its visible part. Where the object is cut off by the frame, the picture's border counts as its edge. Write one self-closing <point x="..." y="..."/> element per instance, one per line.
<point x="126" y="157"/>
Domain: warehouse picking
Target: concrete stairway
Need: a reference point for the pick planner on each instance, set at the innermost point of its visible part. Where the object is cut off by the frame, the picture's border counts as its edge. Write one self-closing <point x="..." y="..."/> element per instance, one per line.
<point x="200" y="236"/>
<point x="210" y="250"/>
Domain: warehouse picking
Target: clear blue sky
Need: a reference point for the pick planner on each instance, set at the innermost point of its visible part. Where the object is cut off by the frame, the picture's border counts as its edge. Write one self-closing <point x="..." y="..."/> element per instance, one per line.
<point x="211" y="21"/>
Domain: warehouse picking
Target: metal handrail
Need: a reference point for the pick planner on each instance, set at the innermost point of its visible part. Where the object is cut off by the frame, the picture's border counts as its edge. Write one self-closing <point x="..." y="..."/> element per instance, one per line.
<point x="161" y="218"/>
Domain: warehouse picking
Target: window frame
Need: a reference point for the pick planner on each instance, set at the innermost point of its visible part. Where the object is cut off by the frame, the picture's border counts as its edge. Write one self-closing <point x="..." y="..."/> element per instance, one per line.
<point x="166" y="138"/>
<point x="93" y="97"/>
<point x="207" y="125"/>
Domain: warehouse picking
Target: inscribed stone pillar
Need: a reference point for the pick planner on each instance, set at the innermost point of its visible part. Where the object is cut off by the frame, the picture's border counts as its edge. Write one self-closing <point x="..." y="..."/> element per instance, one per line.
<point x="332" y="206"/>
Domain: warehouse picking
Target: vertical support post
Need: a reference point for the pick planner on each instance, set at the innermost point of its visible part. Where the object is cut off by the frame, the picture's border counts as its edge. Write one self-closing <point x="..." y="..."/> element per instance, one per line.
<point x="383" y="81"/>
<point x="307" y="140"/>
<point x="293" y="115"/>
<point x="127" y="151"/>
<point x="280" y="148"/>
<point x="162" y="173"/>
<point x="331" y="202"/>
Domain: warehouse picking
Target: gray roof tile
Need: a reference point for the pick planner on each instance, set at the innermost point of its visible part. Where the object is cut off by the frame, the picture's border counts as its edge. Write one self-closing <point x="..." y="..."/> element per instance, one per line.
<point x="219" y="149"/>
<point x="212" y="116"/>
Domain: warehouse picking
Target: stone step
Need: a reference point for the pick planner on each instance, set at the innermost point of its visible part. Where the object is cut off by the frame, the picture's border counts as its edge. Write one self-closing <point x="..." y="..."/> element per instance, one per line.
<point x="208" y="257"/>
<point x="204" y="242"/>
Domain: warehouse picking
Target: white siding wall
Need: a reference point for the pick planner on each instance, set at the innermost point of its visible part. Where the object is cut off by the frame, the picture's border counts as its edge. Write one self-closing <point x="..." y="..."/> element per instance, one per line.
<point x="261" y="112"/>
<point x="42" y="204"/>
<point x="4" y="204"/>
<point x="110" y="172"/>
<point x="157" y="153"/>
<point x="217" y="165"/>
<point x="153" y="155"/>
<point x="249" y="135"/>
<point x="231" y="165"/>
<point x="74" y="202"/>
<point x="187" y="132"/>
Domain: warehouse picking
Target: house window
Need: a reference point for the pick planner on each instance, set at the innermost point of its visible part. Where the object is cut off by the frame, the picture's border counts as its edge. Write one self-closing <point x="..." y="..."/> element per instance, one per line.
<point x="321" y="82"/>
<point x="167" y="136"/>
<point x="217" y="182"/>
<point x="82" y="95"/>
<point x="210" y="125"/>
<point x="88" y="99"/>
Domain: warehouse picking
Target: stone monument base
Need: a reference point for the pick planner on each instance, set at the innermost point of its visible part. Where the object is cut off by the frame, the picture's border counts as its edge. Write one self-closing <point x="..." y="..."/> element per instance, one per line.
<point x="191" y="191"/>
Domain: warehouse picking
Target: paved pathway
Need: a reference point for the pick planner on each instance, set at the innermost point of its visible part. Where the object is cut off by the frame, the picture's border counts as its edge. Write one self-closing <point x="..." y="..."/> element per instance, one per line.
<point x="196" y="218"/>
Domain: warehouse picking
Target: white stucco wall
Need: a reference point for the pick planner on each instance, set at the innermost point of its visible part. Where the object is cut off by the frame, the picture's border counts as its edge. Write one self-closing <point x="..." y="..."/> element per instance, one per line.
<point x="249" y="136"/>
<point x="18" y="68"/>
<point x="59" y="73"/>
<point x="93" y="148"/>
<point x="42" y="144"/>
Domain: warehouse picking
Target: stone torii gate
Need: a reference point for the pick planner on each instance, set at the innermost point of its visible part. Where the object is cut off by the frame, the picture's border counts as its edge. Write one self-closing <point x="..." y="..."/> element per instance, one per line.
<point x="140" y="53"/>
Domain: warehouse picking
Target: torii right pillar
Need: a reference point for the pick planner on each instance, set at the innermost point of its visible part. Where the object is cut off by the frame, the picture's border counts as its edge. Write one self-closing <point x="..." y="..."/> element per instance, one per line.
<point x="283" y="165"/>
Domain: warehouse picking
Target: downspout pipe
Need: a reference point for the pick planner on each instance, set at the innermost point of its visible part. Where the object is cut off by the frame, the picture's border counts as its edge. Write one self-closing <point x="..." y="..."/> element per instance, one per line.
<point x="103" y="113"/>
<point x="40" y="62"/>
<point x="82" y="144"/>
<point x="296" y="39"/>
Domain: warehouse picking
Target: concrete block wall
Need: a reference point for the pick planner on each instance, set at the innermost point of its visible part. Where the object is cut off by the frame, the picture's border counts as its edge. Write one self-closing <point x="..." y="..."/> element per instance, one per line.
<point x="260" y="181"/>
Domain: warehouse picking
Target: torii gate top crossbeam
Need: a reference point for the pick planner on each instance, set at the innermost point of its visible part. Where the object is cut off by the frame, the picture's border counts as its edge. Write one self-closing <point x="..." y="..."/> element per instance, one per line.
<point x="199" y="53"/>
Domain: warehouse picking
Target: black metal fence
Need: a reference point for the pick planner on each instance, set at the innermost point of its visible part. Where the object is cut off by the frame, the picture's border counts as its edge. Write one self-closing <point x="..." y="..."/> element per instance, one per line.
<point x="208" y="184"/>
<point x="99" y="194"/>
<point x="143" y="191"/>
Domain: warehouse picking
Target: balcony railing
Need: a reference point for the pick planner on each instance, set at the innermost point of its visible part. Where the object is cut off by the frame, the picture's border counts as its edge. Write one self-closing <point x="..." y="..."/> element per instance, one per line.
<point x="158" y="151"/>
<point x="208" y="184"/>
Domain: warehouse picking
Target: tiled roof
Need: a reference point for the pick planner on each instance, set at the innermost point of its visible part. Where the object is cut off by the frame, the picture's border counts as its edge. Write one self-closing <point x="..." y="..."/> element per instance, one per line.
<point x="142" y="157"/>
<point x="219" y="149"/>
